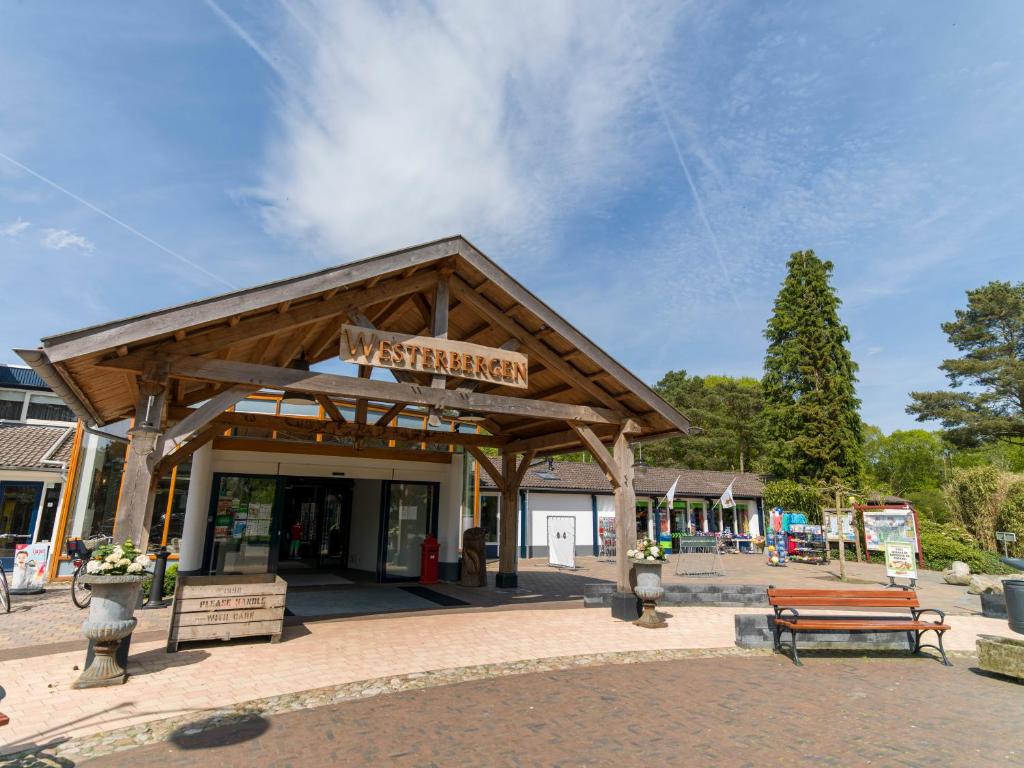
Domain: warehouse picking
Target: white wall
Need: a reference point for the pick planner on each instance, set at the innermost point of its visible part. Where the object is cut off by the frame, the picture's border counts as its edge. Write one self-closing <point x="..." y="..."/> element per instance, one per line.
<point x="365" y="531"/>
<point x="448" y="475"/>
<point x="197" y="510"/>
<point x="577" y="505"/>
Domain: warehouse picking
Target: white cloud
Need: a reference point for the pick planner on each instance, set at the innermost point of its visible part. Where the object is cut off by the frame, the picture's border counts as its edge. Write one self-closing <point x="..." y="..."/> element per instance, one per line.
<point x="14" y="228"/>
<point x="59" y="239"/>
<point x="413" y="121"/>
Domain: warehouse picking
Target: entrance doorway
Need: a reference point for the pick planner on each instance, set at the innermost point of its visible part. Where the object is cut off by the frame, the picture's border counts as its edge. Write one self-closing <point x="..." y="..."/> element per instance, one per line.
<point x="408" y="514"/>
<point x="316" y="521"/>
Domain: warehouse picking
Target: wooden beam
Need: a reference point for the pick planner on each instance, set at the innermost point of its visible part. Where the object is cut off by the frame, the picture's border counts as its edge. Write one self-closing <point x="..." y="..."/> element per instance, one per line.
<point x="358" y="318"/>
<point x="194" y="315"/>
<point x="314" y="383"/>
<point x="307" y="425"/>
<point x="549" y="357"/>
<point x="488" y="466"/>
<point x="600" y="453"/>
<point x="183" y="451"/>
<point x="328" y="449"/>
<point x="471" y="385"/>
<point x="389" y="414"/>
<point x="625" y="511"/>
<point x="363" y="403"/>
<point x="273" y="323"/>
<point x="524" y="466"/>
<point x="330" y="408"/>
<point x="204" y="414"/>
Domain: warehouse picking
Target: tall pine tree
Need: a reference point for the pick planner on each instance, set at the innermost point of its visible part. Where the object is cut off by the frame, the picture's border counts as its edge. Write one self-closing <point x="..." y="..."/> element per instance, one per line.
<point x="811" y="419"/>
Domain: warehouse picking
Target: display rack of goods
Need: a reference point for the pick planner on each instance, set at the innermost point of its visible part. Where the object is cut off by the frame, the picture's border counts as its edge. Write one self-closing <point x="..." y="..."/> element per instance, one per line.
<point x="775" y="548"/>
<point x="807" y="544"/>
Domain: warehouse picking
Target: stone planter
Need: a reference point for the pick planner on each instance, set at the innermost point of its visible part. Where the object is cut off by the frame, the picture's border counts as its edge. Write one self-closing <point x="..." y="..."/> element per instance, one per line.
<point x="111" y="619"/>
<point x="648" y="588"/>
<point x="1002" y="655"/>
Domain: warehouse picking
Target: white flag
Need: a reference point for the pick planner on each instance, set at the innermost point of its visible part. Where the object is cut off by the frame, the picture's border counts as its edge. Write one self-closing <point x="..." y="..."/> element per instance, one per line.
<point x="727" y="501"/>
<point x="672" y="491"/>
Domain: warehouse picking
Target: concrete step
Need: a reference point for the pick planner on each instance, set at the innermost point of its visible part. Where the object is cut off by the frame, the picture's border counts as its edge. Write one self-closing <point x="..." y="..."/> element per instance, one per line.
<point x="755" y="631"/>
<point x="709" y="594"/>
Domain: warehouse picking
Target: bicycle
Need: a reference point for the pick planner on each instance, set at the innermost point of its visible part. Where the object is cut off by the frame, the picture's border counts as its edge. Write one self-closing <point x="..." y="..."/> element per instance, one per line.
<point x="80" y="551"/>
<point x="5" y="592"/>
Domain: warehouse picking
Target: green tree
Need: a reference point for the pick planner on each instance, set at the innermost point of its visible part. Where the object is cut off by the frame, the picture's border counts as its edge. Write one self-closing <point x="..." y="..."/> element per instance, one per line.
<point x="990" y="336"/>
<point x="905" y="460"/>
<point x="811" y="417"/>
<point x="975" y="497"/>
<point x="726" y="409"/>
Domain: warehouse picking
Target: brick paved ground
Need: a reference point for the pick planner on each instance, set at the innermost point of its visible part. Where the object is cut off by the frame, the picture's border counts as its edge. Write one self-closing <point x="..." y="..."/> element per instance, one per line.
<point x="205" y="677"/>
<point x="708" y="712"/>
<point x="38" y="621"/>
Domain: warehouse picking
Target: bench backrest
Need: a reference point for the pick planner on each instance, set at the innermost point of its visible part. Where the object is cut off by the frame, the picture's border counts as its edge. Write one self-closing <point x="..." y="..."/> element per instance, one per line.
<point x="843" y="598"/>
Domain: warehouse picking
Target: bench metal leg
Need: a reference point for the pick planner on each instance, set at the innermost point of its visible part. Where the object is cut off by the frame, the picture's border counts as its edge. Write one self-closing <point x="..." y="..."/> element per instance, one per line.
<point x="796" y="656"/>
<point x="942" y="651"/>
<point x="777" y="634"/>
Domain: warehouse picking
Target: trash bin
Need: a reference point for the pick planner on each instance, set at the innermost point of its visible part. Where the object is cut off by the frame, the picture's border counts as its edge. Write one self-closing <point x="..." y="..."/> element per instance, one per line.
<point x="1013" y="590"/>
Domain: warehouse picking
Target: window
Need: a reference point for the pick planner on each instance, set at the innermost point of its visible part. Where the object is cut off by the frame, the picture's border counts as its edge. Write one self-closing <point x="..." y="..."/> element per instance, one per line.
<point x="256" y="406"/>
<point x="300" y="409"/>
<point x="49" y="408"/>
<point x="169" y="509"/>
<point x="490" y="518"/>
<point x="103" y="489"/>
<point x="11" y="404"/>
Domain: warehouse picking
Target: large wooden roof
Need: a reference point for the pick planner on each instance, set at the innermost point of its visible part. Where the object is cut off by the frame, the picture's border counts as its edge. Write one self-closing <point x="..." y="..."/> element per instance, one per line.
<point x="272" y="324"/>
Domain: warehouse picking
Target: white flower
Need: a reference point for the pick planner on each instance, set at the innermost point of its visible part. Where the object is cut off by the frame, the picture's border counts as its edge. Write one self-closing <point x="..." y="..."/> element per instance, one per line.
<point x="92" y="566"/>
<point x="142" y="559"/>
<point x="119" y="552"/>
<point x="104" y="567"/>
<point x="112" y="558"/>
<point x="123" y="562"/>
<point x="650" y="557"/>
<point x="135" y="568"/>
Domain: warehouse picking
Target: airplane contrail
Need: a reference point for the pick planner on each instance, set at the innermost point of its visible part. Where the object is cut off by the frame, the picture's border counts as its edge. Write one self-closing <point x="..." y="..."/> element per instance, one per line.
<point x="119" y="222"/>
<point x="693" y="190"/>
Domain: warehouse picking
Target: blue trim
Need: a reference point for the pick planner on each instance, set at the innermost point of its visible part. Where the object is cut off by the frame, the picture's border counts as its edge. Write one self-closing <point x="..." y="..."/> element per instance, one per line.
<point x="522" y="523"/>
<point x="29" y="538"/>
<point x="593" y="517"/>
<point x="760" y="515"/>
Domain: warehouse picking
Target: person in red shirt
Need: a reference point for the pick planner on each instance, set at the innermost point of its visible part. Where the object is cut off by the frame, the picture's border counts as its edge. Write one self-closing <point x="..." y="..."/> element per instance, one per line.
<point x="296" y="533"/>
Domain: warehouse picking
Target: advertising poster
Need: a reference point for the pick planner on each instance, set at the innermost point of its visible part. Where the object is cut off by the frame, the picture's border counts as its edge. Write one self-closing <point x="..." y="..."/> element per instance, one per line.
<point x="30" y="561"/>
<point x="882" y="525"/>
<point x="899" y="560"/>
<point x="848" y="531"/>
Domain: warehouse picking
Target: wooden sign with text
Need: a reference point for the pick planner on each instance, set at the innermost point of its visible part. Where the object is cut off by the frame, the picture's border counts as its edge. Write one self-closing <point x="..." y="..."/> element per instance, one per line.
<point x="226" y="607"/>
<point x="427" y="354"/>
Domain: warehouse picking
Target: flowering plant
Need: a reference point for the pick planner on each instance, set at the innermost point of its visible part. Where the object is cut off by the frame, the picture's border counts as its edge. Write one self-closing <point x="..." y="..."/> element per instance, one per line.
<point x="647" y="550"/>
<point x="117" y="560"/>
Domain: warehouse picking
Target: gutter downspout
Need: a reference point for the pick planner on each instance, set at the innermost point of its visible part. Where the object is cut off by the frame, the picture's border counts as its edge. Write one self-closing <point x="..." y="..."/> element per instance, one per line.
<point x="40" y="363"/>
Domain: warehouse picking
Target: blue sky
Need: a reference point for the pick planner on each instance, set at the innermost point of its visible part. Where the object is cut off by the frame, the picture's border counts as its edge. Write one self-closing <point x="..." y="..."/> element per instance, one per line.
<point x="645" y="171"/>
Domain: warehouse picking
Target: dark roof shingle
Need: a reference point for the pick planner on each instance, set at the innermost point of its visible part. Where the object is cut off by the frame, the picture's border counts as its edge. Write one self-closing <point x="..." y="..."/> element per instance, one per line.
<point x="23" y="446"/>
<point x="21" y="378"/>
<point x="578" y="476"/>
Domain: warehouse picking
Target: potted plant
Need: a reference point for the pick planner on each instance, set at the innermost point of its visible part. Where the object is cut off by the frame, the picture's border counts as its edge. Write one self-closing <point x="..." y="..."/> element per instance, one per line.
<point x="647" y="559"/>
<point x="114" y="574"/>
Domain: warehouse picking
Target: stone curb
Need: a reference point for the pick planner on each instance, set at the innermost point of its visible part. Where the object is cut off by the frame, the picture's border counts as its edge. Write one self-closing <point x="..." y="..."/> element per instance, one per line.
<point x="81" y="748"/>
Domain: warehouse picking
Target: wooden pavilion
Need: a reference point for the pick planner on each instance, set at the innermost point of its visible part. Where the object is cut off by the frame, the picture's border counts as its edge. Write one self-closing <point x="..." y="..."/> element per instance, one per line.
<point x="477" y="347"/>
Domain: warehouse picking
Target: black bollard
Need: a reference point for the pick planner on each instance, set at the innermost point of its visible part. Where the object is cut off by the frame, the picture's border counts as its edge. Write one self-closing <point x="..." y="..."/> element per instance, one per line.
<point x="156" y="590"/>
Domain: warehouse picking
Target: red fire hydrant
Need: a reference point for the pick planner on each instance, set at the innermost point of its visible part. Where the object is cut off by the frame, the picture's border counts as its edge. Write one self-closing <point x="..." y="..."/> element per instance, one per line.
<point x="428" y="561"/>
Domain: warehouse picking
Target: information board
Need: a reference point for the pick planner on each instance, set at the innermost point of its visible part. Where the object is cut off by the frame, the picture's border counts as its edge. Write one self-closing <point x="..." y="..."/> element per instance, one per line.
<point x="899" y="560"/>
<point x="890" y="524"/>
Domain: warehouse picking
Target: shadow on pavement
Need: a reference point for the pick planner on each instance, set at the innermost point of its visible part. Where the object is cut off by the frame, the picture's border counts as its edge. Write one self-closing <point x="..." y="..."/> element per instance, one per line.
<point x="204" y="734"/>
<point x="158" y="659"/>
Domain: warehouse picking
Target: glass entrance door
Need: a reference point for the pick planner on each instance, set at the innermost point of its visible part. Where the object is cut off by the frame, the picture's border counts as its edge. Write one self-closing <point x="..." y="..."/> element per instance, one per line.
<point x="409" y="513"/>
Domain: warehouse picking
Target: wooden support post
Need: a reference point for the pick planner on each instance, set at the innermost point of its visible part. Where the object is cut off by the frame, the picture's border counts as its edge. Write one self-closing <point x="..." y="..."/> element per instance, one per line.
<point x="508" y="540"/>
<point x="439" y="329"/>
<point x="138" y="485"/>
<point x="625" y="512"/>
<point x="842" y="540"/>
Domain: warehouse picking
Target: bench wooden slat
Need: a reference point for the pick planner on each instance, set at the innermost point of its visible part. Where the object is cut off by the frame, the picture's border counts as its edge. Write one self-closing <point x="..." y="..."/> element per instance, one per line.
<point x="876" y="603"/>
<point x="888" y="626"/>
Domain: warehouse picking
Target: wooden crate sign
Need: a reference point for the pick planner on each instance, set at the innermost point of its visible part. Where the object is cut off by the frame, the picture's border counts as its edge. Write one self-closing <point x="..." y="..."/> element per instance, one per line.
<point x="226" y="607"/>
<point x="428" y="354"/>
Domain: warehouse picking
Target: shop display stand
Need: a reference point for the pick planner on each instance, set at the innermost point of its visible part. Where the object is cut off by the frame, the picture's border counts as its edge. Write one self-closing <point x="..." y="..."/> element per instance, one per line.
<point x="809" y="544"/>
<point x="775" y="544"/>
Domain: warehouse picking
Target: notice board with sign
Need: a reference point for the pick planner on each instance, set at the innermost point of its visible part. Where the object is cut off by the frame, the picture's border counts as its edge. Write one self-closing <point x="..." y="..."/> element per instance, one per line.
<point x="889" y="524"/>
<point x="899" y="560"/>
<point x="226" y="607"/>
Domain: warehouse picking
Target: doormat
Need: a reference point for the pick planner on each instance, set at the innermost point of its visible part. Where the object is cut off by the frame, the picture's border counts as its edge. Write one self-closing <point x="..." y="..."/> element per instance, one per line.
<point x="434" y="597"/>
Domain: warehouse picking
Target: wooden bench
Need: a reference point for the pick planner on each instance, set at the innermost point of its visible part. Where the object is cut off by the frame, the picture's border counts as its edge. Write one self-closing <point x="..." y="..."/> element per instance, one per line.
<point x="786" y="601"/>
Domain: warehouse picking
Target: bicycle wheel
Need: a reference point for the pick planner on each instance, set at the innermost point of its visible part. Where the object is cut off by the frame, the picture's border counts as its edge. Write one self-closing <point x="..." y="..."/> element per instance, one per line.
<point x="80" y="593"/>
<point x="5" y="593"/>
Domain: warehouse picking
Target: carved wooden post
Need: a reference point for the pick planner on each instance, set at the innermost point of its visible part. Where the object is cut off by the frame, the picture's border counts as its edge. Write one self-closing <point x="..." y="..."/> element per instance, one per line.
<point x="508" y="541"/>
<point x="138" y="487"/>
<point x="625" y="511"/>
